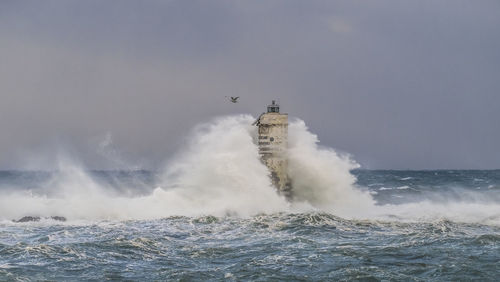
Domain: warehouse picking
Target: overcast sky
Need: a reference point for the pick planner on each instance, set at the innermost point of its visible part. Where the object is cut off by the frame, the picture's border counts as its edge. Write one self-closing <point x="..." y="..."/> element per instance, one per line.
<point x="119" y="84"/>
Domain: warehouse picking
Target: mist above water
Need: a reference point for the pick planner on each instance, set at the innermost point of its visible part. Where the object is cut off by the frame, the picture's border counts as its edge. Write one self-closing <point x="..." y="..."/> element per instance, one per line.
<point x="218" y="172"/>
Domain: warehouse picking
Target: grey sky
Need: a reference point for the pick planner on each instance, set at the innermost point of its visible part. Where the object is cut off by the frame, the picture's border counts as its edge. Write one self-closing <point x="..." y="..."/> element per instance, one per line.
<point x="398" y="84"/>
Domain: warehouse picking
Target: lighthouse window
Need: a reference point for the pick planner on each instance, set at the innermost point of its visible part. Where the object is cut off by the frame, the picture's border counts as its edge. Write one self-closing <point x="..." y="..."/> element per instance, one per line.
<point x="271" y="139"/>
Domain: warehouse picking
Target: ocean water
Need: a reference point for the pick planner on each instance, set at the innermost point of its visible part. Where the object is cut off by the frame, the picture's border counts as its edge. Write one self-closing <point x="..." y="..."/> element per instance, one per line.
<point x="212" y="214"/>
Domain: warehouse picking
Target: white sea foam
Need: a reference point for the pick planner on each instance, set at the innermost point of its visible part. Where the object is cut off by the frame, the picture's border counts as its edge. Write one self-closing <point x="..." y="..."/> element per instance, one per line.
<point x="394" y="188"/>
<point x="219" y="173"/>
<point x="429" y="211"/>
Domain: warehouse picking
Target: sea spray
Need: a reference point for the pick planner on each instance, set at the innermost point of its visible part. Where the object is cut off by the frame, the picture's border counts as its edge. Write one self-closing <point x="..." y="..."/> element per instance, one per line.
<point x="219" y="173"/>
<point x="321" y="176"/>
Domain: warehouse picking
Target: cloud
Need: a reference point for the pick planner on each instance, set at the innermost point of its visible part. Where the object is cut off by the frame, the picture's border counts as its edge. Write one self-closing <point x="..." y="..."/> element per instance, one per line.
<point x="339" y="25"/>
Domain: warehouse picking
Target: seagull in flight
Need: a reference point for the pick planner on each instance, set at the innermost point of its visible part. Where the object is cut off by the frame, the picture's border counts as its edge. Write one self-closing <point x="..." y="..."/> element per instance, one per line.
<point x="234" y="99"/>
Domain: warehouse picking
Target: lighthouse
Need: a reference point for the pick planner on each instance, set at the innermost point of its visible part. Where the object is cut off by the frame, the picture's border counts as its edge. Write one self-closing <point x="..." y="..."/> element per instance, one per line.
<point x="273" y="144"/>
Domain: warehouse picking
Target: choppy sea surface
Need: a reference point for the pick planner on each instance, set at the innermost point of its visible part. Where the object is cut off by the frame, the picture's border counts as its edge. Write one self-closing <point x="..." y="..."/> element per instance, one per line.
<point x="423" y="226"/>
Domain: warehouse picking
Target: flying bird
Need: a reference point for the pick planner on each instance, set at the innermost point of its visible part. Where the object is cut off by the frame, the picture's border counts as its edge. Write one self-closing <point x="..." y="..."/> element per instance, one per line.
<point x="234" y="99"/>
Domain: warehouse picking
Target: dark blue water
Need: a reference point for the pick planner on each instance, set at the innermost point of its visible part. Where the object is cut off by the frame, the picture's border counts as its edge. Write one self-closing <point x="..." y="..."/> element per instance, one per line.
<point x="426" y="225"/>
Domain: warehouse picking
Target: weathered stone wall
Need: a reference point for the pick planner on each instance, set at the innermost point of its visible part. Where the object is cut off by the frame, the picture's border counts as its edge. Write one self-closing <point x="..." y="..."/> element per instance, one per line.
<point x="273" y="143"/>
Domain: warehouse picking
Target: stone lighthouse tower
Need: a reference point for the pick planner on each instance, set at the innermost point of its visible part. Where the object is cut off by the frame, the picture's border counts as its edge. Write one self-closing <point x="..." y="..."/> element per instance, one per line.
<point x="273" y="144"/>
